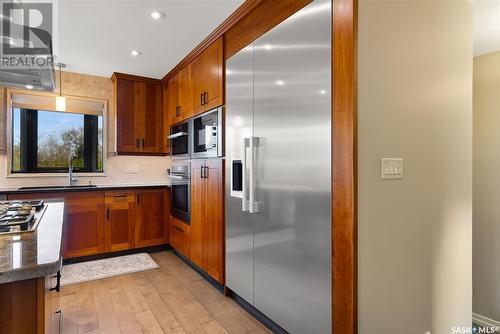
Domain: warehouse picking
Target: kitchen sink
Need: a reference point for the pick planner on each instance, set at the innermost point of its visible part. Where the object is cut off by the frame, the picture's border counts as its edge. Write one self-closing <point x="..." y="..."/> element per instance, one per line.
<point x="58" y="187"/>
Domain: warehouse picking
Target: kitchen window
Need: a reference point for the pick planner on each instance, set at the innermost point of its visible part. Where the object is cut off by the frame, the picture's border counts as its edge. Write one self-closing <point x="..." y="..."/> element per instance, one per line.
<point x="44" y="140"/>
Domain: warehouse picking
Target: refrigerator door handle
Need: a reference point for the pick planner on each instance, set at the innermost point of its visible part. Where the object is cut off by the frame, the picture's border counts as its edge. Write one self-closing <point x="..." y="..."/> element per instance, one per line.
<point x="244" y="195"/>
<point x="253" y="205"/>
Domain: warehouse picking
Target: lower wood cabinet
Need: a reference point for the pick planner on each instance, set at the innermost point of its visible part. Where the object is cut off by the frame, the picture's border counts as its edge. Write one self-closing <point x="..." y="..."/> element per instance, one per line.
<point x="30" y="306"/>
<point x="153" y="210"/>
<point x="120" y="220"/>
<point x="207" y="229"/>
<point x="180" y="236"/>
<point x="110" y="221"/>
<point x="84" y="232"/>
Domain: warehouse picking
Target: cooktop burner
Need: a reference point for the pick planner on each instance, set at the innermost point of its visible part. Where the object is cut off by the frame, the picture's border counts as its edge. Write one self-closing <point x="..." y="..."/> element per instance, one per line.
<point x="19" y="216"/>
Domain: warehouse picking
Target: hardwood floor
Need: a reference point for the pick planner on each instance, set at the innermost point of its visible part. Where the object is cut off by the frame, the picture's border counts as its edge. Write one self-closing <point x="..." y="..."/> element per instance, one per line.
<point x="170" y="299"/>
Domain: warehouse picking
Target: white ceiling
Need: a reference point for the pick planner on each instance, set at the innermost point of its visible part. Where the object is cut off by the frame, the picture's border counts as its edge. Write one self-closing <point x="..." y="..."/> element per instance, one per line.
<point x="486" y="26"/>
<point x="96" y="36"/>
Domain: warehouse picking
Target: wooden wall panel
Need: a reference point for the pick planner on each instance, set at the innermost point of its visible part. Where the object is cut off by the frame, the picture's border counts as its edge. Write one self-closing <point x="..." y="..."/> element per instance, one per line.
<point x="265" y="16"/>
<point x="344" y="144"/>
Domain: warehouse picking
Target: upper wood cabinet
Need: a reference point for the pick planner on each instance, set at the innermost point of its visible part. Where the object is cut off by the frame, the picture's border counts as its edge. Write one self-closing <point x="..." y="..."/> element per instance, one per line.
<point x="165" y="116"/>
<point x="207" y="77"/>
<point x="207" y="232"/>
<point x="197" y="87"/>
<point x="120" y="220"/>
<point x="152" y="210"/>
<point x="139" y="118"/>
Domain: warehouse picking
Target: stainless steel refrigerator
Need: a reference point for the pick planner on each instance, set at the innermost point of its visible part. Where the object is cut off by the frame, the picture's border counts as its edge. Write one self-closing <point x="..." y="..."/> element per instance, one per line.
<point x="278" y="172"/>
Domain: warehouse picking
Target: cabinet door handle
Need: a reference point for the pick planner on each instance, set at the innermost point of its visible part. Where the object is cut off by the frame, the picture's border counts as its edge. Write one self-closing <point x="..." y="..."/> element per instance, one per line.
<point x="177" y="111"/>
<point x="60" y="312"/>
<point x="107" y="213"/>
<point x="206" y="172"/>
<point x="142" y="142"/>
<point x="179" y="229"/>
<point x="205" y="97"/>
<point x="137" y="143"/>
<point x="201" y="172"/>
<point x="201" y="99"/>
<point x="138" y="199"/>
<point x="57" y="288"/>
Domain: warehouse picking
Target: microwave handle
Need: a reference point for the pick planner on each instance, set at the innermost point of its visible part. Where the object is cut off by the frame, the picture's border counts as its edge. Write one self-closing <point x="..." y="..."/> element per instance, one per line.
<point x="177" y="135"/>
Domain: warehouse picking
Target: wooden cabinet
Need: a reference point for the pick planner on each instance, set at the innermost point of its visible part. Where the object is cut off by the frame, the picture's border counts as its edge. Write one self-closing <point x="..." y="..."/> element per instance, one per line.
<point x="198" y="246"/>
<point x="180" y="96"/>
<point x="53" y="311"/>
<point x="109" y="221"/>
<point x="120" y="220"/>
<point x="207" y="78"/>
<point x="152" y="208"/>
<point x="139" y="118"/>
<point x="180" y="236"/>
<point x="197" y="87"/>
<point x="30" y="306"/>
<point x="207" y="233"/>
<point x="84" y="227"/>
<point x="165" y="119"/>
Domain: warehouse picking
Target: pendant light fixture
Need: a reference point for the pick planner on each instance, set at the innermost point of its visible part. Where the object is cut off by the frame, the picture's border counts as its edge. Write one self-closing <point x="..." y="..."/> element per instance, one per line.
<point x="60" y="100"/>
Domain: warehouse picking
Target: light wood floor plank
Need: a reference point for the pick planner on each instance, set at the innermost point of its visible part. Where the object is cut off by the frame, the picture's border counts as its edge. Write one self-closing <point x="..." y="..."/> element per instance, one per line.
<point x="172" y="299"/>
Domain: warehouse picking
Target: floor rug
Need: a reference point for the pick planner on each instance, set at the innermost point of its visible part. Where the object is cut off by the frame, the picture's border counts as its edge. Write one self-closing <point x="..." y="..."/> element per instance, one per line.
<point x="99" y="269"/>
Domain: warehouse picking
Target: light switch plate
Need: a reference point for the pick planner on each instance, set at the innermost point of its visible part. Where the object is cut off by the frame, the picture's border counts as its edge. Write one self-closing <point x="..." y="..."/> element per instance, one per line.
<point x="392" y="168"/>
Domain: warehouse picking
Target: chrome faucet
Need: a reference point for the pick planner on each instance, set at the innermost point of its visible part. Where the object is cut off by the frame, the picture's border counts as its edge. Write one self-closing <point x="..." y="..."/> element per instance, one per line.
<point x="71" y="178"/>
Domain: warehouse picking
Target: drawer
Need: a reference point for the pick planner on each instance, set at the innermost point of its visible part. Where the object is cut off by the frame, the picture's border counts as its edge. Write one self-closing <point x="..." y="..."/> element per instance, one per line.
<point x="180" y="236"/>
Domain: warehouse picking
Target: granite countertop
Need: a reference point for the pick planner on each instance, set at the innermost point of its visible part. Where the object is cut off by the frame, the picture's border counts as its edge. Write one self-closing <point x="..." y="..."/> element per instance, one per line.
<point x="34" y="254"/>
<point x="59" y="189"/>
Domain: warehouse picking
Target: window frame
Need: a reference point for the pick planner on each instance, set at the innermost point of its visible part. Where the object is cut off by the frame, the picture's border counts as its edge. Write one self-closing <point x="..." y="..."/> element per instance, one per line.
<point x="109" y="143"/>
<point x="29" y="145"/>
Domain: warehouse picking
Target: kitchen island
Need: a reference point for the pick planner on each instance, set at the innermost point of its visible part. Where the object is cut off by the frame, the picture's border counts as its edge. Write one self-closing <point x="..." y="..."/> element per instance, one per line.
<point x="29" y="280"/>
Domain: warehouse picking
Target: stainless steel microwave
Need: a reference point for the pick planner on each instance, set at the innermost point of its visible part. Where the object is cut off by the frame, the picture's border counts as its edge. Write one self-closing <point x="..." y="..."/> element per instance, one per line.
<point x="206" y="135"/>
<point x="180" y="138"/>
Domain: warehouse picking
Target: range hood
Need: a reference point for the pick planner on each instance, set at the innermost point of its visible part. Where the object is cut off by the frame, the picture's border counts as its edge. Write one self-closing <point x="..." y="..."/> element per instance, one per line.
<point x="33" y="67"/>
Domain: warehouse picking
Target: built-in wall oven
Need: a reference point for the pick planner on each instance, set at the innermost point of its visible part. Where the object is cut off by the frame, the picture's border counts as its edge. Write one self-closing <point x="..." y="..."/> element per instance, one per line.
<point x="180" y="140"/>
<point x="207" y="134"/>
<point x="180" y="176"/>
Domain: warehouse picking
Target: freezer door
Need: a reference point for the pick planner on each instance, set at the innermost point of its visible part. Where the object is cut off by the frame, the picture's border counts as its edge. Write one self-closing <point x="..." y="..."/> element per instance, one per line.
<point x="239" y="128"/>
<point x="292" y="123"/>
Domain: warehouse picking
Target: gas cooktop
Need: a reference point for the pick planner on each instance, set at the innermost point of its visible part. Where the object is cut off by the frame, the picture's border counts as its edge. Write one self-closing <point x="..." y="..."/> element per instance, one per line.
<point x="20" y="216"/>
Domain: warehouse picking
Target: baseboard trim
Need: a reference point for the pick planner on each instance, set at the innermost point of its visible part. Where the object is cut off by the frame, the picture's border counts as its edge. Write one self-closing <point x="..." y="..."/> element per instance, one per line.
<point x="485" y="321"/>
<point x="261" y="317"/>
<point x="200" y="271"/>
<point x="151" y="249"/>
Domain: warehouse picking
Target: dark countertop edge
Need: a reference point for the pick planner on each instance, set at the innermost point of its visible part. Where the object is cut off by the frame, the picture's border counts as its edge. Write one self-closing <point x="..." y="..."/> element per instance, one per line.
<point x="78" y="189"/>
<point x="40" y="270"/>
<point x="43" y="270"/>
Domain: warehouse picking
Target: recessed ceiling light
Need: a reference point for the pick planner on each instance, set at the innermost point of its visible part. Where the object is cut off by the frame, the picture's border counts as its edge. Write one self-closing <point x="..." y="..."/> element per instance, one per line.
<point x="322" y="92"/>
<point x="157" y="15"/>
<point x="268" y="47"/>
<point x="280" y="82"/>
<point x="135" y="53"/>
<point x="28" y="87"/>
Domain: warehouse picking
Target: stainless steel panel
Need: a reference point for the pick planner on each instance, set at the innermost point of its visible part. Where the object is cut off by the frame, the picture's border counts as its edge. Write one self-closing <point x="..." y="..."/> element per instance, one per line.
<point x="292" y="122"/>
<point x="238" y="125"/>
